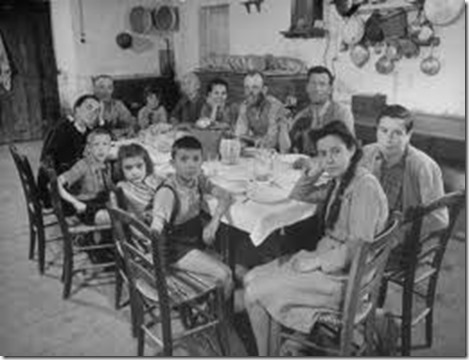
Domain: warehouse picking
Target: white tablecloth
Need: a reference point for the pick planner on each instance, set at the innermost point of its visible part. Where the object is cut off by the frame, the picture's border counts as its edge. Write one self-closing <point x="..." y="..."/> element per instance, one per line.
<point x="259" y="220"/>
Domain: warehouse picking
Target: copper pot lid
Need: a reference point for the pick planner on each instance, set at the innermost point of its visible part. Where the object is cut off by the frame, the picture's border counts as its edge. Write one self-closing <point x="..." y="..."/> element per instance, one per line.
<point x="140" y="20"/>
<point x="443" y="12"/>
<point x="165" y="18"/>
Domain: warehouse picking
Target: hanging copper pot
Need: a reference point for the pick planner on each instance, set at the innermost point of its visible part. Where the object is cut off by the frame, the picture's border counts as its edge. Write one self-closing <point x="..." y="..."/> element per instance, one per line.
<point x="384" y="65"/>
<point x="359" y="55"/>
<point x="124" y="40"/>
<point x="430" y="65"/>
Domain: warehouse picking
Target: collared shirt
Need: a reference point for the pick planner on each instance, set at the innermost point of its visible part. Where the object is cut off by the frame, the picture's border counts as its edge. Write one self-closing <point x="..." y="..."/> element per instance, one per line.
<point x="392" y="179"/>
<point x="187" y="110"/>
<point x="140" y="196"/>
<point x="261" y="121"/>
<point x="115" y="115"/>
<point x="87" y="178"/>
<point x="148" y="116"/>
<point x="315" y="118"/>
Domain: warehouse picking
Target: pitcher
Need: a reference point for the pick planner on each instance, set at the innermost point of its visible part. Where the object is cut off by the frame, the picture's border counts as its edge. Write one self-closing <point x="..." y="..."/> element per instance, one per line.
<point x="230" y="150"/>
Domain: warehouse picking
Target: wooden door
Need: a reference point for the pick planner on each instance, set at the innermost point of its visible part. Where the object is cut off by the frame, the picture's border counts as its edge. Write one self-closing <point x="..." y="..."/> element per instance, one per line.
<point x="214" y="30"/>
<point x="32" y="104"/>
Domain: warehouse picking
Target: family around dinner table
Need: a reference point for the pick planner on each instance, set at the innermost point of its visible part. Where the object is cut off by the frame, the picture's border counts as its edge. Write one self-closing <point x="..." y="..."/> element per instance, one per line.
<point x="363" y="185"/>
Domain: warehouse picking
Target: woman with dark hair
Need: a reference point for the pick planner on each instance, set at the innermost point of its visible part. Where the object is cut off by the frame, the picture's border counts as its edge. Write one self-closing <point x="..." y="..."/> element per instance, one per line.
<point x="293" y="292"/>
<point x="216" y="108"/>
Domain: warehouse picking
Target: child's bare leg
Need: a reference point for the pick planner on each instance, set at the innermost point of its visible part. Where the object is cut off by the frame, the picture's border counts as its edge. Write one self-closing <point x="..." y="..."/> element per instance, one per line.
<point x="199" y="262"/>
<point x="101" y="218"/>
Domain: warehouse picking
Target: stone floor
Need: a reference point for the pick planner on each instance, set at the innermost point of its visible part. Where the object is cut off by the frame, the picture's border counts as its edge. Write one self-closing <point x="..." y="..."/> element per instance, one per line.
<point x="37" y="322"/>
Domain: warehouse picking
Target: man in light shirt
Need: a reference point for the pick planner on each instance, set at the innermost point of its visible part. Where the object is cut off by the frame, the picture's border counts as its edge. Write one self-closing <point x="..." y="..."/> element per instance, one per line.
<point x="262" y="119"/>
<point x="321" y="110"/>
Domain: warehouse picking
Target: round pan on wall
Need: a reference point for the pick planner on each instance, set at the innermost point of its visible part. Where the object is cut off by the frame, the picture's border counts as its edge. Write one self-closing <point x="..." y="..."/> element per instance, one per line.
<point x="443" y="12"/>
<point x="165" y="18"/>
<point x="140" y="20"/>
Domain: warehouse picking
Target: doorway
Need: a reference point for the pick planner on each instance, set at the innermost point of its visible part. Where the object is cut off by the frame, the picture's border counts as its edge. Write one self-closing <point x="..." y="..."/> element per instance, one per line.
<point x="32" y="103"/>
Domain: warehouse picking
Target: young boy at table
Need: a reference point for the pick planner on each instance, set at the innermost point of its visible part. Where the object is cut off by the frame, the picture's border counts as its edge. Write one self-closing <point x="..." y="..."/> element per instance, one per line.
<point x="179" y="209"/>
<point x="153" y="112"/>
<point x="86" y="187"/>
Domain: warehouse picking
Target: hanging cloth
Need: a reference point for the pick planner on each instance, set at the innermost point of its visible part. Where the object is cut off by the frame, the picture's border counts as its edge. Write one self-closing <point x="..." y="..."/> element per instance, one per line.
<point x="5" y="68"/>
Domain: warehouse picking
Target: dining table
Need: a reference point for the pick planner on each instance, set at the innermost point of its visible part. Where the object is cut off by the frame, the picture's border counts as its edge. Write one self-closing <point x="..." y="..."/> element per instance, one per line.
<point x="261" y="203"/>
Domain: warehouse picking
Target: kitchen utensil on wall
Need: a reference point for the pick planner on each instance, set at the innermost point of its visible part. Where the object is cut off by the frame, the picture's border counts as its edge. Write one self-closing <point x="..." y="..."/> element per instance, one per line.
<point x="166" y="58"/>
<point x="140" y="20"/>
<point x="443" y="12"/>
<point x="430" y="65"/>
<point x="394" y="24"/>
<point x="373" y="32"/>
<point x="353" y="30"/>
<point x="359" y="54"/>
<point x="393" y="51"/>
<point x="384" y="65"/>
<point x="124" y="40"/>
<point x="409" y="48"/>
<point x="166" y="18"/>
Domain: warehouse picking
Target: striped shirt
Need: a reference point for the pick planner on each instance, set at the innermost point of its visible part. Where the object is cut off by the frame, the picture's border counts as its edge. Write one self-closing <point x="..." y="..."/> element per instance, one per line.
<point x="140" y="196"/>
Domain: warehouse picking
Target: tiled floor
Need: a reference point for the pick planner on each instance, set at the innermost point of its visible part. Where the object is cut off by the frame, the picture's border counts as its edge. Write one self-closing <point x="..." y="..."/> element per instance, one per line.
<point x="37" y="322"/>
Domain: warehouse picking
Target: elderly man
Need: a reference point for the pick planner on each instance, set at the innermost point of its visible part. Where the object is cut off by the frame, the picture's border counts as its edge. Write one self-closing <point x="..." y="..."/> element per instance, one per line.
<point x="408" y="176"/>
<point x="321" y="110"/>
<point x="262" y="119"/>
<point x="189" y="106"/>
<point x="114" y="114"/>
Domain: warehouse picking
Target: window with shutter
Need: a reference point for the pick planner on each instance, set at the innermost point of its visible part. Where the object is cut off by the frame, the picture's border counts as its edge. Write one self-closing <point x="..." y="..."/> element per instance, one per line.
<point x="306" y="19"/>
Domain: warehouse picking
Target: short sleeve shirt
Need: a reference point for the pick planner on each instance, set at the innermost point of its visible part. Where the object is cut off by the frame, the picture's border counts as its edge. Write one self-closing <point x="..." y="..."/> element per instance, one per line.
<point x="87" y="178"/>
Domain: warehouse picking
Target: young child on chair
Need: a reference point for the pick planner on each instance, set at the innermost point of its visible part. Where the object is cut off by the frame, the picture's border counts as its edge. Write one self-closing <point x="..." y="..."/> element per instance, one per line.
<point x="137" y="180"/>
<point x="86" y="185"/>
<point x="178" y="210"/>
<point x="153" y="112"/>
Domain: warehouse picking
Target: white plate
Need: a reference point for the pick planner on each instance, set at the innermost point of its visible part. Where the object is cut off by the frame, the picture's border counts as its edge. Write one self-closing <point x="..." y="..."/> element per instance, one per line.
<point x="233" y="186"/>
<point x="291" y="158"/>
<point x="266" y="194"/>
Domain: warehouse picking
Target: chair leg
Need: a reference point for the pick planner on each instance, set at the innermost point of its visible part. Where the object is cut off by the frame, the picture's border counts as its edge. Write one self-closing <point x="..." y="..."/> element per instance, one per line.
<point x="118" y="289"/>
<point x="67" y="276"/>
<point x="32" y="241"/>
<point x="222" y="328"/>
<point x="133" y="314"/>
<point x="41" y="247"/>
<point x="138" y="319"/>
<point x="383" y="289"/>
<point x="406" y="327"/>
<point x="429" y="329"/>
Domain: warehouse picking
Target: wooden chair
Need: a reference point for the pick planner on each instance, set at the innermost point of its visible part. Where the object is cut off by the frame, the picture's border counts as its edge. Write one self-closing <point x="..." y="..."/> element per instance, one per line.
<point x="159" y="291"/>
<point x="339" y="330"/>
<point x="416" y="264"/>
<point x="39" y="218"/>
<point x="73" y="233"/>
<point x="118" y="200"/>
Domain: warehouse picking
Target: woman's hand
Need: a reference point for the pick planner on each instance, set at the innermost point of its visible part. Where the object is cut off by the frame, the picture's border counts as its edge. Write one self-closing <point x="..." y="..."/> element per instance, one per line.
<point x="210" y="231"/>
<point x="304" y="265"/>
<point x="79" y="206"/>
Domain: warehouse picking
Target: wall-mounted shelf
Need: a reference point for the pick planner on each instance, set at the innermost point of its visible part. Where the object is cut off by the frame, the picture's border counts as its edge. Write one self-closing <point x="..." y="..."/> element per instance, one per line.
<point x="388" y="5"/>
<point x="304" y="33"/>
